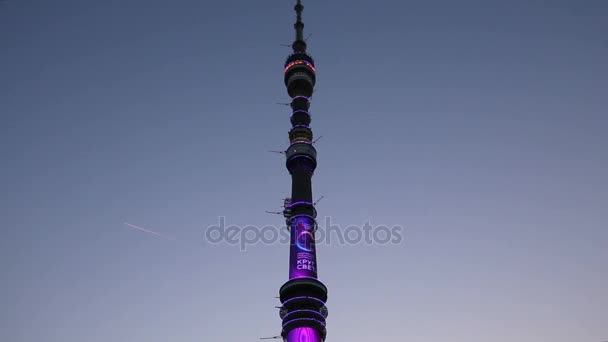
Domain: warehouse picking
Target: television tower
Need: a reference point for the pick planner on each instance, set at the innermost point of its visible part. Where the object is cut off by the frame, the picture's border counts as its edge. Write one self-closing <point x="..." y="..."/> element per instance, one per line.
<point x="303" y="297"/>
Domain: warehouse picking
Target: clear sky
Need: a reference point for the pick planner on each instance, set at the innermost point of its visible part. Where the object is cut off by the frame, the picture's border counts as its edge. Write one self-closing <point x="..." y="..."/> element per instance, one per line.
<point x="480" y="127"/>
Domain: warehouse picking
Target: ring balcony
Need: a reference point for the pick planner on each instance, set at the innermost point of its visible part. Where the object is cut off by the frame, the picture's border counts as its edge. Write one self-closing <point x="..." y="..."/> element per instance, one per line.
<point x="301" y="155"/>
<point x="300" y="78"/>
<point x="301" y="150"/>
<point x="300" y="118"/>
<point x="300" y="134"/>
<point x="300" y="103"/>
<point x="299" y="56"/>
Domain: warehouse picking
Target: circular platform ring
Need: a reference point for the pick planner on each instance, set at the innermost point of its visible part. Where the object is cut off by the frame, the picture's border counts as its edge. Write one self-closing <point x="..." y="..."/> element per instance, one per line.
<point x="303" y="287"/>
<point x="300" y="118"/>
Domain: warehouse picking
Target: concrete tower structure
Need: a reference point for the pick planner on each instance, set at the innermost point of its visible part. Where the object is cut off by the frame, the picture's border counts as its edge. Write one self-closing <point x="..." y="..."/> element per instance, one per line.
<point x="303" y="297"/>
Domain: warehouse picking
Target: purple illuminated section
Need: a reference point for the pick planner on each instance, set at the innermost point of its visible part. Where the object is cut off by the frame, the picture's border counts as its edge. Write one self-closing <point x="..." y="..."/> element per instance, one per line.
<point x="304" y="334"/>
<point x="303" y="256"/>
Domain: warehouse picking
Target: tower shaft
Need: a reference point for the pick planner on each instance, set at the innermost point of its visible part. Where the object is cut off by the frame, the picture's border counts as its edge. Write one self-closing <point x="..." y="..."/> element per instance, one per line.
<point x="303" y="297"/>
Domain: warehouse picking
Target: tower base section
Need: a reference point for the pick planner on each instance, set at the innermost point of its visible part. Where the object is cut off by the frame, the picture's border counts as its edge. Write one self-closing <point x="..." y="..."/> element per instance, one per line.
<point x="303" y="311"/>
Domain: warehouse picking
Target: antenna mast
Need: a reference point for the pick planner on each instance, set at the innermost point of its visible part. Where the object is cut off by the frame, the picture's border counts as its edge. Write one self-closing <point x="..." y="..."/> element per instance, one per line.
<point x="303" y="296"/>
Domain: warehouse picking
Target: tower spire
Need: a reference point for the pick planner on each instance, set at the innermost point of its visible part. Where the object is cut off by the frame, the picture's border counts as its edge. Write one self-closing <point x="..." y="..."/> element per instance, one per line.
<point x="299" y="45"/>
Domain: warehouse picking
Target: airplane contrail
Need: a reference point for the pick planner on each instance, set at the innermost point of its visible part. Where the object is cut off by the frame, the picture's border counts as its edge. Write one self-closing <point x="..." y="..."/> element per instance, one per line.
<point x="149" y="231"/>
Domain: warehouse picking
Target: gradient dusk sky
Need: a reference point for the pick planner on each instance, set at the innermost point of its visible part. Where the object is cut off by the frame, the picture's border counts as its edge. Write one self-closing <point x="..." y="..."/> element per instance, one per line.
<point x="478" y="126"/>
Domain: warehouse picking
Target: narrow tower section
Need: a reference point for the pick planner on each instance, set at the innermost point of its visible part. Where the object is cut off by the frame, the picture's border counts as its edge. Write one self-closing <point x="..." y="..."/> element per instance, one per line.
<point x="303" y="297"/>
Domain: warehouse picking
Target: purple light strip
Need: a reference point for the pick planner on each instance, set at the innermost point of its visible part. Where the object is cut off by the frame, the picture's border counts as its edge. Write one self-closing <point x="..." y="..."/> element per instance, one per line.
<point x="300" y="203"/>
<point x="301" y="97"/>
<point x="305" y="297"/>
<point x="304" y="310"/>
<point x="300" y="156"/>
<point x="304" y="319"/>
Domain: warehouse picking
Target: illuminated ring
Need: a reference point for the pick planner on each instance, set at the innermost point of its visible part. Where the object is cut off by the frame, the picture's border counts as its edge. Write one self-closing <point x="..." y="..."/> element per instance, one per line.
<point x="304" y="312"/>
<point x="299" y="56"/>
<point x="300" y="203"/>
<point x="300" y="110"/>
<point x="301" y="97"/>
<point x="312" y="320"/>
<point x="304" y="298"/>
<point x="300" y="62"/>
